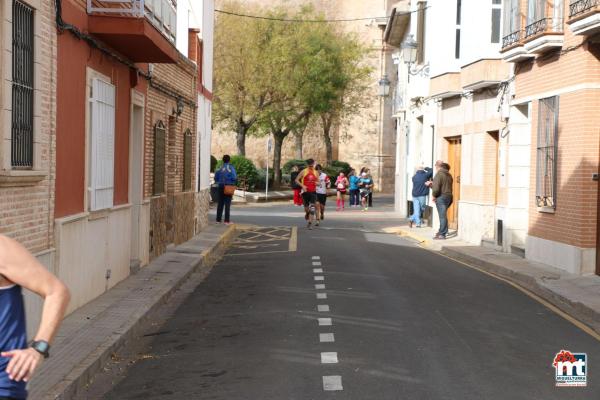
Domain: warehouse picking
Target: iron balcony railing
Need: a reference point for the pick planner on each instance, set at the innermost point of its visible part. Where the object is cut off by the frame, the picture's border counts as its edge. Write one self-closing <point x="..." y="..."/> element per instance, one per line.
<point x="161" y="13"/>
<point x="512" y="38"/>
<point x="579" y="7"/>
<point x="544" y="25"/>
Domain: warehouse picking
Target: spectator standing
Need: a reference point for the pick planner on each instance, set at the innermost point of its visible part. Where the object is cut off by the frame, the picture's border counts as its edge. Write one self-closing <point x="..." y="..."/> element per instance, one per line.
<point x="420" y="192"/>
<point x="354" y="190"/>
<point x="441" y="191"/>
<point x="295" y="187"/>
<point x="226" y="177"/>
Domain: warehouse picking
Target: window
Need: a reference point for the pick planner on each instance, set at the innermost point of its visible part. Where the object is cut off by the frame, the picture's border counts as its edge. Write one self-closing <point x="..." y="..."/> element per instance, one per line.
<point x="187" y="160"/>
<point x="102" y="149"/>
<point x="421" y="32"/>
<point x="160" y="147"/>
<point x="22" y="87"/>
<point x="496" y="16"/>
<point x="512" y="22"/>
<point x="546" y="153"/>
<point x="458" y="19"/>
<point x="536" y="10"/>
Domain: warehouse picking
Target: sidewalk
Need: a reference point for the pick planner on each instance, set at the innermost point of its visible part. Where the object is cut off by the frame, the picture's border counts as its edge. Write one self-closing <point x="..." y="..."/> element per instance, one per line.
<point x="90" y="335"/>
<point x="575" y="295"/>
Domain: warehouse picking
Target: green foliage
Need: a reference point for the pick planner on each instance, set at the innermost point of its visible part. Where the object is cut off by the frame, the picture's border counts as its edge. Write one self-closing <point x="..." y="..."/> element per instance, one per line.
<point x="261" y="181"/>
<point x="246" y="170"/>
<point x="342" y="165"/>
<point x="333" y="170"/>
<point x="213" y="163"/>
<point x="287" y="167"/>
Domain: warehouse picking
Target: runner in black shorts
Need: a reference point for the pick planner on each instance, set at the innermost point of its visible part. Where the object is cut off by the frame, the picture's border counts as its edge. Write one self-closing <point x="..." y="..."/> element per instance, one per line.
<point x="324" y="184"/>
<point x="308" y="180"/>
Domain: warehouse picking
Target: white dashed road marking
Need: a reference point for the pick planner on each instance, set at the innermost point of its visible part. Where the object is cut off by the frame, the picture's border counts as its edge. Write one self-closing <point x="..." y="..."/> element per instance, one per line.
<point x="316" y="258"/>
<point x="320" y="286"/>
<point x="318" y="270"/>
<point x="321" y="296"/>
<point x="323" y="308"/>
<point x="329" y="358"/>
<point x="325" y="322"/>
<point x="316" y="263"/>
<point x="319" y="278"/>
<point x="333" y="382"/>
<point x="326" y="338"/>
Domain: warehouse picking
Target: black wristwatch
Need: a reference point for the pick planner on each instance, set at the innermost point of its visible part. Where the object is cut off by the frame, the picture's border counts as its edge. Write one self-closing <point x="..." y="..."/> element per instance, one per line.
<point x="41" y="346"/>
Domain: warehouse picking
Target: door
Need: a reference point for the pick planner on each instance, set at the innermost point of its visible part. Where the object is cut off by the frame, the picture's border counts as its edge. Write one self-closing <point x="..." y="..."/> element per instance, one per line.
<point x="454" y="162"/>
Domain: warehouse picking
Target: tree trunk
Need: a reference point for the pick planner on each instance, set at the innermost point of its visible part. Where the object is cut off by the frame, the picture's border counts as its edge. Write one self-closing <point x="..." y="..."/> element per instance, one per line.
<point x="241" y="139"/>
<point x="327" y="137"/>
<point x="299" y="139"/>
<point x="278" y="136"/>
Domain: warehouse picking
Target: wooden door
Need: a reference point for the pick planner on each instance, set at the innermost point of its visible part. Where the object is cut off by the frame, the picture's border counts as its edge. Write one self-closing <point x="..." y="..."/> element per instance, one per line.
<point x="454" y="162"/>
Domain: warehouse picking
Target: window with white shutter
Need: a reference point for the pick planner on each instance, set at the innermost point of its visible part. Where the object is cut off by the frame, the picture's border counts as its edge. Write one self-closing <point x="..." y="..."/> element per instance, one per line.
<point x="102" y="140"/>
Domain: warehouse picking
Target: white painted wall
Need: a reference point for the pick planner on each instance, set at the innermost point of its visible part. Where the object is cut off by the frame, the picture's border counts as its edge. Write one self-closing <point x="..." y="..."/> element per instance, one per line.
<point x="476" y="31"/>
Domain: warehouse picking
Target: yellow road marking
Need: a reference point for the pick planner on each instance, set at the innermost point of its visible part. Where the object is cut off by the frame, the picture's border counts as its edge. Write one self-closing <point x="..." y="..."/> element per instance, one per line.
<point x="294" y="239"/>
<point x="533" y="296"/>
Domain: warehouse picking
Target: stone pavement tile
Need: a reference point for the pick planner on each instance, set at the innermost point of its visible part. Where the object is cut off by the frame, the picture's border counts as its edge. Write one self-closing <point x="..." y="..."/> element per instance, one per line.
<point x="93" y="332"/>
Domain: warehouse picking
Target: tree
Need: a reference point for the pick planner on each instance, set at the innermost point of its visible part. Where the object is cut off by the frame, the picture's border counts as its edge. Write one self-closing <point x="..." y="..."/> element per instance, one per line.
<point x="348" y="93"/>
<point x="240" y="85"/>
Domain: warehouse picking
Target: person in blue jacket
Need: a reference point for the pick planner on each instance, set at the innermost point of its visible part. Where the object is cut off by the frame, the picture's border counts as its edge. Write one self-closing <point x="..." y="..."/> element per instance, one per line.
<point x="354" y="189"/>
<point x="420" y="192"/>
<point x="225" y="175"/>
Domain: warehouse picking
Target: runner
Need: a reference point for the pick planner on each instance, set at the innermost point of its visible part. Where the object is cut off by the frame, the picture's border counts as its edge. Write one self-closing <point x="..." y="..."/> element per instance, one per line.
<point x="324" y="184"/>
<point x="366" y="185"/>
<point x="341" y="185"/>
<point x="308" y="179"/>
<point x="18" y="360"/>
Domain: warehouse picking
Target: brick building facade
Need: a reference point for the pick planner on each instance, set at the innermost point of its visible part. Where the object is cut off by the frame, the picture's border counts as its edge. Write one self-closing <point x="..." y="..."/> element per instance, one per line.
<point x="28" y="139"/>
<point x="556" y="54"/>
<point x="170" y="167"/>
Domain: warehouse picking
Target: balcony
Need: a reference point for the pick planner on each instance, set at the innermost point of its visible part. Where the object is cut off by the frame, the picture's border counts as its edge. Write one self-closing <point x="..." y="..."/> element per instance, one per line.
<point x="484" y="73"/>
<point x="513" y="49"/>
<point x="543" y="35"/>
<point x="141" y="30"/>
<point x="397" y="24"/>
<point x="584" y="17"/>
<point x="445" y="85"/>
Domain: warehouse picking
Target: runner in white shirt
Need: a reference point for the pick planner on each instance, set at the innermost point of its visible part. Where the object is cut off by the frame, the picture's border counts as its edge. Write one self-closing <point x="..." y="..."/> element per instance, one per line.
<point x="324" y="184"/>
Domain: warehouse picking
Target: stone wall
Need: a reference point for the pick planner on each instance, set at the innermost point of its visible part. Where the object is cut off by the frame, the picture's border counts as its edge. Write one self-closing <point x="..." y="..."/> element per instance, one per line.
<point x="202" y="208"/>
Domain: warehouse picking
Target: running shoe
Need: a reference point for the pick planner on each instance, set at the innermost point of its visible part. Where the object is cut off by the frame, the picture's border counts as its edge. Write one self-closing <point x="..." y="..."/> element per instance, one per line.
<point x="309" y="226"/>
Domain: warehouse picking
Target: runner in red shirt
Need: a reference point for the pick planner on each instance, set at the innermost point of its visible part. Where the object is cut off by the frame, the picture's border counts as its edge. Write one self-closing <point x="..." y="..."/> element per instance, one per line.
<point x="308" y="179"/>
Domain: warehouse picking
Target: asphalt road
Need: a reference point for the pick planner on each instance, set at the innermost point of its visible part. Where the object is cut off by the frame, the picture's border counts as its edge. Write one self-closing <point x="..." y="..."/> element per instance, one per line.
<point x="405" y="324"/>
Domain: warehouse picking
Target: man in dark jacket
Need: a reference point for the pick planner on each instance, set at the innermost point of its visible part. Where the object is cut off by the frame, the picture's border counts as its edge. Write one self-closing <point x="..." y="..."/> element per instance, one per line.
<point x="442" y="196"/>
<point x="420" y="192"/>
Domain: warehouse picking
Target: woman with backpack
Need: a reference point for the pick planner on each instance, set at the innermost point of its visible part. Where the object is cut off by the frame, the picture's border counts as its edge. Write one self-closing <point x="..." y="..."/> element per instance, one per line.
<point x="341" y="185"/>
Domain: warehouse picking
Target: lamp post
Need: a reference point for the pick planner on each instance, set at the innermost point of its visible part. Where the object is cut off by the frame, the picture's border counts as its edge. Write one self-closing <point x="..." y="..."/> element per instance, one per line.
<point x="384" y="86"/>
<point x="409" y="50"/>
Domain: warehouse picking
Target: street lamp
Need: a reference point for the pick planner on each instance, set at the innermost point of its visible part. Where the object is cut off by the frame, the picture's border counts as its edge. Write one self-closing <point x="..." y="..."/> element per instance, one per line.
<point x="384" y="86"/>
<point x="409" y="50"/>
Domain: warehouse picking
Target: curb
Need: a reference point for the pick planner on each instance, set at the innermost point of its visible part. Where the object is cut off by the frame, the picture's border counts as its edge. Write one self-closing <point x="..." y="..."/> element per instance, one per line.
<point x="76" y="380"/>
<point x="577" y="310"/>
